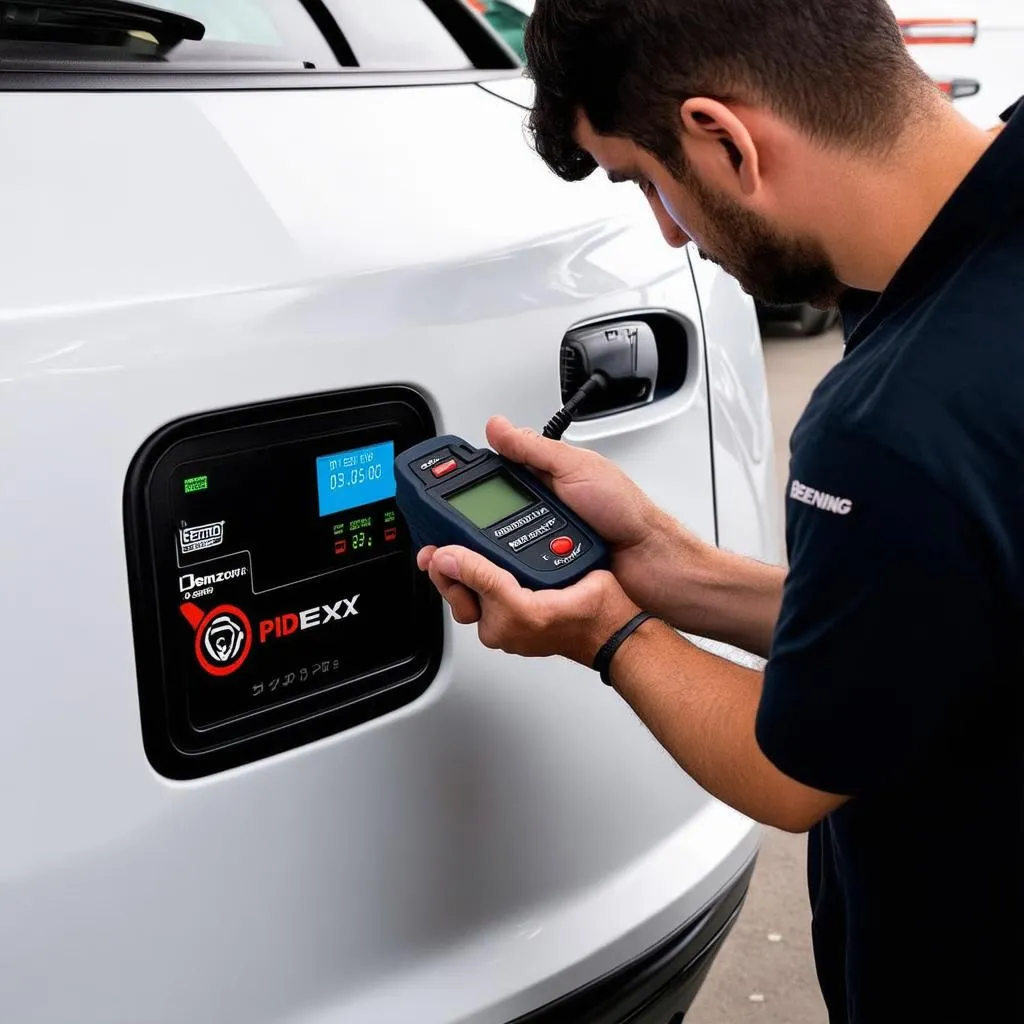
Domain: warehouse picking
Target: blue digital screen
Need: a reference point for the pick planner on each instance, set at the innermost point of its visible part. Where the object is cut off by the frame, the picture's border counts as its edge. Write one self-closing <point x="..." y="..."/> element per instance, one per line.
<point x="358" y="477"/>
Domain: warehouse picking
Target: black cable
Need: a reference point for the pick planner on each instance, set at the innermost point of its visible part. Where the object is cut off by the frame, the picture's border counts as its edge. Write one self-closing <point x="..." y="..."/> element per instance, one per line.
<point x="559" y="423"/>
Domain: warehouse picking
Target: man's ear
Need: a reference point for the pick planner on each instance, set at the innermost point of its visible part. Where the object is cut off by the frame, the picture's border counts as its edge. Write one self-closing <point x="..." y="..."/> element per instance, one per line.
<point x="719" y="147"/>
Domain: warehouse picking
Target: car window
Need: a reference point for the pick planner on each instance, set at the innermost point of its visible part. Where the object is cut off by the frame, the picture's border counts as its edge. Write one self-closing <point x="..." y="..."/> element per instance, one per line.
<point x="263" y="33"/>
<point x="507" y="19"/>
<point x="254" y="35"/>
<point x="398" y="35"/>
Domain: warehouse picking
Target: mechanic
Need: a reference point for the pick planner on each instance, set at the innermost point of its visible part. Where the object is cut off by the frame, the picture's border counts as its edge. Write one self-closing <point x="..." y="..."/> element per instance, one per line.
<point x="801" y="148"/>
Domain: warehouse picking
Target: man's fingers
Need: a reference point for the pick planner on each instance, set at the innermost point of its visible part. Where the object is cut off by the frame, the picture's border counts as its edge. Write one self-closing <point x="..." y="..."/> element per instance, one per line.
<point x="424" y="557"/>
<point x="463" y="578"/>
<point x="463" y="602"/>
<point x="527" y="447"/>
<point x="474" y="571"/>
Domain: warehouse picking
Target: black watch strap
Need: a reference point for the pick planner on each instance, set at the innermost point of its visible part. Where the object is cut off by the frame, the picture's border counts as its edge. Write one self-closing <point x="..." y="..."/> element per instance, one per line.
<point x="603" y="659"/>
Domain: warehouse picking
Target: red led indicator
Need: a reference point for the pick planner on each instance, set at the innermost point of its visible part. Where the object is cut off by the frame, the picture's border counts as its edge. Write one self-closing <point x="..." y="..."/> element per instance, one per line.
<point x="340" y="547"/>
<point x="390" y="533"/>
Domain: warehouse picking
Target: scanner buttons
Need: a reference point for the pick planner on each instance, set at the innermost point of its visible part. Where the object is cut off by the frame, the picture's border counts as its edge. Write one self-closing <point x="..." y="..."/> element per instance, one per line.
<point x="444" y="468"/>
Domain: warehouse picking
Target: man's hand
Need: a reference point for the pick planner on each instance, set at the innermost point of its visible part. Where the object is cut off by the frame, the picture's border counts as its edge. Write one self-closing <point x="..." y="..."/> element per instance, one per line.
<point x="591" y="485"/>
<point x="641" y="537"/>
<point x="662" y="567"/>
<point x="573" y="622"/>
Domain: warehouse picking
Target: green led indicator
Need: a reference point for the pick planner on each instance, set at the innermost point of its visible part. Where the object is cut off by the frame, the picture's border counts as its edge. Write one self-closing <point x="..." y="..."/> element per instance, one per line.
<point x="196" y="483"/>
<point x="360" y="524"/>
<point x="389" y="517"/>
<point x="339" y="528"/>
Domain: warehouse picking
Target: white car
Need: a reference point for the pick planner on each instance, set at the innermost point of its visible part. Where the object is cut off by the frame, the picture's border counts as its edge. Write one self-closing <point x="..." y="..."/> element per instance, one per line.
<point x="972" y="50"/>
<point x="251" y="771"/>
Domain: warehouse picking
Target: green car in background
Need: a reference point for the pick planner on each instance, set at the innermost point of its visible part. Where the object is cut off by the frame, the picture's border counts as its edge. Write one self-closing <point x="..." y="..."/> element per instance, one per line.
<point x="508" y="19"/>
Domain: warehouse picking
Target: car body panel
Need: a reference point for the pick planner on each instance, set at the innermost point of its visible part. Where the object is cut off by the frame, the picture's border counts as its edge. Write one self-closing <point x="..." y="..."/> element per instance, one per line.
<point x="748" y="511"/>
<point x="507" y="837"/>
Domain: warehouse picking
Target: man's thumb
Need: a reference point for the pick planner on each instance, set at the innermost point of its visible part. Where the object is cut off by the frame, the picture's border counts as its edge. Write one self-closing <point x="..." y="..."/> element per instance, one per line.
<point x="528" y="448"/>
<point x="471" y="570"/>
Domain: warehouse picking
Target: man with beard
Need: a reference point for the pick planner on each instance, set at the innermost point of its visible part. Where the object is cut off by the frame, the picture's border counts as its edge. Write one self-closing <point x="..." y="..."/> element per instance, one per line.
<point x="800" y="147"/>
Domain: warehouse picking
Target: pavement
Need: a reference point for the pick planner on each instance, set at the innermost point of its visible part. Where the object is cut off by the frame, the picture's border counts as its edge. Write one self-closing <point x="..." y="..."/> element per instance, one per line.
<point x="765" y="972"/>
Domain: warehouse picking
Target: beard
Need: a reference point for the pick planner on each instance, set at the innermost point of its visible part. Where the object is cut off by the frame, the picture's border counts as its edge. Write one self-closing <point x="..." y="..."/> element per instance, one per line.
<point x="771" y="267"/>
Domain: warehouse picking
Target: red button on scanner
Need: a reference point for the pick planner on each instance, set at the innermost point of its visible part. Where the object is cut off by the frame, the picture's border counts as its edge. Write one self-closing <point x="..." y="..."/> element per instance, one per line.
<point x="444" y="468"/>
<point x="562" y="545"/>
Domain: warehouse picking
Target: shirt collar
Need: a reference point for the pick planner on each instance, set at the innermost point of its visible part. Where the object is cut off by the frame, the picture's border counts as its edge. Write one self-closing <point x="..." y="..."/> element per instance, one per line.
<point x="991" y="191"/>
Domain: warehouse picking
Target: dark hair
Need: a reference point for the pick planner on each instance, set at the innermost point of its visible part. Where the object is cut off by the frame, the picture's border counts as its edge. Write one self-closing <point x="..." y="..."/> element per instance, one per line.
<point x="837" y="69"/>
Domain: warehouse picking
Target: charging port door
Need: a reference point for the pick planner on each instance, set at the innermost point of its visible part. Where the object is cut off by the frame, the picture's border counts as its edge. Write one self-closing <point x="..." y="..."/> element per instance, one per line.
<point x="644" y="357"/>
<point x="274" y="596"/>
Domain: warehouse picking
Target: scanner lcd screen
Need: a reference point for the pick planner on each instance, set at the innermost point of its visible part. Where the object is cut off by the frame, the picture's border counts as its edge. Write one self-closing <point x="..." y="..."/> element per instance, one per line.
<point x="491" y="500"/>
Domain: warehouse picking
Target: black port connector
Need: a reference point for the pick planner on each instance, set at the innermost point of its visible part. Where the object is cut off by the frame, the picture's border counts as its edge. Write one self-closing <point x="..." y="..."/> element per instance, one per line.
<point x="559" y="423"/>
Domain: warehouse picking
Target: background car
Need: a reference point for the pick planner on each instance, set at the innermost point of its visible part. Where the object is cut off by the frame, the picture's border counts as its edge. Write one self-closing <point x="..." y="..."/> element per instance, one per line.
<point x="508" y="18"/>
<point x="254" y="772"/>
<point x="803" y="319"/>
<point x="971" y="48"/>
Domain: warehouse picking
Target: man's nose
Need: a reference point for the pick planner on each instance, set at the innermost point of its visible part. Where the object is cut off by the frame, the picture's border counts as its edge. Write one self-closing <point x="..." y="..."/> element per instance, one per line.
<point x="670" y="230"/>
<point x="674" y="235"/>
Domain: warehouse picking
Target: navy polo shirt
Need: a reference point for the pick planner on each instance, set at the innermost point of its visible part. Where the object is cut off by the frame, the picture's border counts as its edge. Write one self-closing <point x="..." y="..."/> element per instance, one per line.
<point x="897" y="663"/>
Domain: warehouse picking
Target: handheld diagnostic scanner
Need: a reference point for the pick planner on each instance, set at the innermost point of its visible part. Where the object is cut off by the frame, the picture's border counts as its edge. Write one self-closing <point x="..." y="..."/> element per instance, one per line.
<point x="452" y="493"/>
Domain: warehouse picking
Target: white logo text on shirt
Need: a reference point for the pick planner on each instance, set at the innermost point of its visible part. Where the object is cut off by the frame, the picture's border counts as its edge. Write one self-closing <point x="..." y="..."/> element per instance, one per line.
<point x="819" y="499"/>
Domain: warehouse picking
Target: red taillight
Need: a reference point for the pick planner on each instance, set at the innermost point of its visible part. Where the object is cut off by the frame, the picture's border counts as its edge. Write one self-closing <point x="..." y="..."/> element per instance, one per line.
<point x="478" y="5"/>
<point x="942" y="31"/>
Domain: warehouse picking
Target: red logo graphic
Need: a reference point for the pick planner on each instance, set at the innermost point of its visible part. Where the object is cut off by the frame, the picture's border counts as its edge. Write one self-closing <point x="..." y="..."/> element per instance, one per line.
<point x="223" y="637"/>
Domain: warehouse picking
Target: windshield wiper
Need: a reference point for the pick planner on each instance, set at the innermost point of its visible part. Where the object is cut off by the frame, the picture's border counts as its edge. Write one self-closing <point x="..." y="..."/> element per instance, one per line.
<point x="74" y="20"/>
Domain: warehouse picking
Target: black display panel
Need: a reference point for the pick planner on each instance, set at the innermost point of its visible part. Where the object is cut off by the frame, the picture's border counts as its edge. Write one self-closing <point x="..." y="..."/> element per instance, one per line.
<point x="274" y="594"/>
